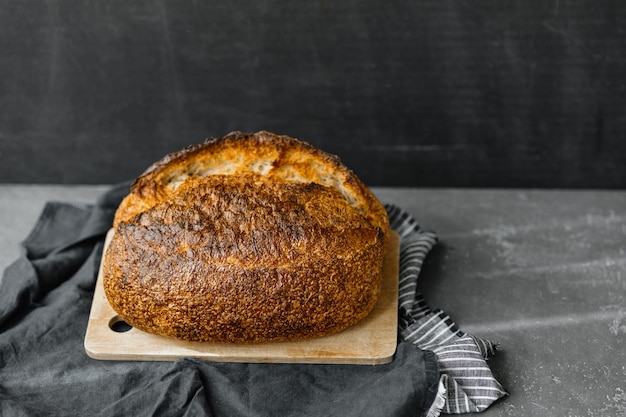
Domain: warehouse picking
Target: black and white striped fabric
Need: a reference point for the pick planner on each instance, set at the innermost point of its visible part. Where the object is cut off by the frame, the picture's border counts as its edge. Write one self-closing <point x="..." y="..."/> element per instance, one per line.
<point x="466" y="382"/>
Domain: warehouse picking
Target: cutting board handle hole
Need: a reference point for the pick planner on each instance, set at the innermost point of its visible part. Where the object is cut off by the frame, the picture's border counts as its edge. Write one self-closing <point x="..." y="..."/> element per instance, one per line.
<point x="118" y="325"/>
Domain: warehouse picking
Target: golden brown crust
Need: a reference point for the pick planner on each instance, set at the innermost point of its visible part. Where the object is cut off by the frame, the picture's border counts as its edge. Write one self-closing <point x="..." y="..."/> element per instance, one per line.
<point x="278" y="157"/>
<point x="288" y="247"/>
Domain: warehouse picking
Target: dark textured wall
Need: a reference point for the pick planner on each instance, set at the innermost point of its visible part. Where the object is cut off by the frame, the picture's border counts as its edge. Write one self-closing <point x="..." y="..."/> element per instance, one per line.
<point x="407" y="93"/>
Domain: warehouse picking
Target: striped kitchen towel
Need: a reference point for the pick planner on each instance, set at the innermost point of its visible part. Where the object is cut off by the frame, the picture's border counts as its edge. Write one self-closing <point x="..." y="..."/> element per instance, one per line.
<point x="466" y="382"/>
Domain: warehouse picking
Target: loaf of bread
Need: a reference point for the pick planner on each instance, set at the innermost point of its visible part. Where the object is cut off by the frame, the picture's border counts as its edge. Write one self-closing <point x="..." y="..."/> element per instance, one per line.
<point x="244" y="239"/>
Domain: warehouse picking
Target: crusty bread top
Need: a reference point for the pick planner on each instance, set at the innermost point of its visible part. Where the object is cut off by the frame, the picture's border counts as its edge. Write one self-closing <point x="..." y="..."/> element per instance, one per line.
<point x="244" y="239"/>
<point x="275" y="157"/>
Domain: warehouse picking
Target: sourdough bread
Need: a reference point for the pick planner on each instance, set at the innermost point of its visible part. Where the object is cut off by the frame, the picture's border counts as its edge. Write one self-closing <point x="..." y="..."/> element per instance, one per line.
<point x="244" y="239"/>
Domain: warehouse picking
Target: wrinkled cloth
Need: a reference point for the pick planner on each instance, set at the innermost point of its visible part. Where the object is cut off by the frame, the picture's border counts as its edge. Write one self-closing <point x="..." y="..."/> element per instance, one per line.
<point x="466" y="383"/>
<point x="45" y="299"/>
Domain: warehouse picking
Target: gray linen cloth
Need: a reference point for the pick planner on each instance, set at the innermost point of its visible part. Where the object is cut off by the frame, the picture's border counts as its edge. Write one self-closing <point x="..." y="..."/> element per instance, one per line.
<point x="45" y="299"/>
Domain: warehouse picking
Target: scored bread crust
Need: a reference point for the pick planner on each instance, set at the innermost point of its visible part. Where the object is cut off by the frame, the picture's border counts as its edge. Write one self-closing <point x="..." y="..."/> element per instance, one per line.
<point x="246" y="238"/>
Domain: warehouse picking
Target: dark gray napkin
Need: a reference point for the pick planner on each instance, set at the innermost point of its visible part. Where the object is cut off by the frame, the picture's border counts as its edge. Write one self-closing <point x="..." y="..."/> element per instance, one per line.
<point x="45" y="298"/>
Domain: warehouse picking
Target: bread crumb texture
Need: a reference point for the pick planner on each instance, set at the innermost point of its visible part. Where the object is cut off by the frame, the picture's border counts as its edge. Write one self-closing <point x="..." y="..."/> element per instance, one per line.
<point x="244" y="239"/>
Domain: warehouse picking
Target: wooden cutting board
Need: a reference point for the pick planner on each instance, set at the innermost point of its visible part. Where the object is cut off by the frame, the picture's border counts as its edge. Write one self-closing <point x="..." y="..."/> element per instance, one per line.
<point x="369" y="342"/>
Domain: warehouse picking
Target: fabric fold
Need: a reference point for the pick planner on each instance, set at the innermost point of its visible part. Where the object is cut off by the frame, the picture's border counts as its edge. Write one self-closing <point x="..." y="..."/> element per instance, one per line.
<point x="466" y="384"/>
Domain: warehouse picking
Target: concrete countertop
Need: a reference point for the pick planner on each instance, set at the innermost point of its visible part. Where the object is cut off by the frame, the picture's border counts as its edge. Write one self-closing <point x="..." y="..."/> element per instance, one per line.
<point x="541" y="272"/>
